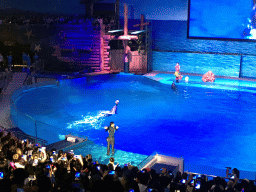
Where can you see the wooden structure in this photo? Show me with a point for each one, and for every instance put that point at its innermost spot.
(142, 22)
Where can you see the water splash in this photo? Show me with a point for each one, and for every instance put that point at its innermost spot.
(89, 121)
(61, 137)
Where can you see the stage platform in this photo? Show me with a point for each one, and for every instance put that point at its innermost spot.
(195, 80)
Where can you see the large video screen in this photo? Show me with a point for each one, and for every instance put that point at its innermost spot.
(222, 19)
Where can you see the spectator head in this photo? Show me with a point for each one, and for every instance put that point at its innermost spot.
(230, 183)
(35, 156)
(184, 176)
(19, 151)
(153, 174)
(16, 157)
(2, 156)
(146, 170)
(143, 177)
(118, 171)
(89, 156)
(178, 177)
(164, 170)
(110, 166)
(53, 149)
(236, 172)
(60, 153)
(245, 183)
(111, 160)
(130, 167)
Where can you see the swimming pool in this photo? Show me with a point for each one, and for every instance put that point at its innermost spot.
(208, 124)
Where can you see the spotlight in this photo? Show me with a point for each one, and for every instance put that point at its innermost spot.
(137, 32)
(115, 31)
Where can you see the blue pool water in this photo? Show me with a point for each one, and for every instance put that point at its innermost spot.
(206, 123)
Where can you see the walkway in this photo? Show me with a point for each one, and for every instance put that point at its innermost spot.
(5, 98)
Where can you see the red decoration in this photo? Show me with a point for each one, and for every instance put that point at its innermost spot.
(208, 77)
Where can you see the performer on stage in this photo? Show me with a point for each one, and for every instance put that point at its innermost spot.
(177, 67)
(127, 50)
(178, 76)
(177, 73)
(10, 58)
(111, 136)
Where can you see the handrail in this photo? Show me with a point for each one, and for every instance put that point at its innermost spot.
(21, 136)
(16, 95)
(147, 160)
(25, 81)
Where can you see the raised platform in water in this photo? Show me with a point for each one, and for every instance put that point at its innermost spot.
(67, 143)
(195, 80)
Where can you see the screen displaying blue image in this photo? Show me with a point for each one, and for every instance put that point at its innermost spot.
(218, 19)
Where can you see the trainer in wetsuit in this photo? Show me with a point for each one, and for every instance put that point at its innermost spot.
(111, 136)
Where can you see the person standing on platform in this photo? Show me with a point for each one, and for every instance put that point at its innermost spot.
(177, 67)
(111, 136)
(177, 73)
(29, 62)
(36, 57)
(10, 58)
(24, 60)
(127, 50)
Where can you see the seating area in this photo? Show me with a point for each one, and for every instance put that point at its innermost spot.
(26, 165)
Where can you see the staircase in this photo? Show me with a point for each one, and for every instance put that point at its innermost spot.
(81, 46)
(106, 58)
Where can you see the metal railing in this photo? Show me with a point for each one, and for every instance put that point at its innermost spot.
(28, 124)
(22, 136)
